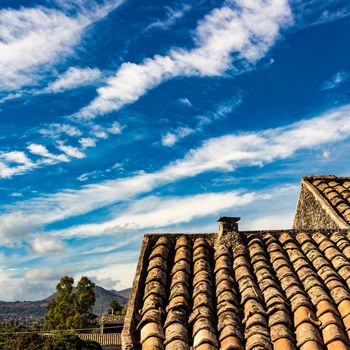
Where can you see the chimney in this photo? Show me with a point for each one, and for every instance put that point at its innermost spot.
(228, 224)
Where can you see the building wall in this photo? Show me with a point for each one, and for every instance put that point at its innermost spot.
(311, 214)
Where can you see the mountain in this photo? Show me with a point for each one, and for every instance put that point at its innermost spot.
(104, 296)
(34, 311)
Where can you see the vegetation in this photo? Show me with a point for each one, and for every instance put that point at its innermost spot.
(116, 309)
(28, 312)
(9, 333)
(72, 307)
(35, 341)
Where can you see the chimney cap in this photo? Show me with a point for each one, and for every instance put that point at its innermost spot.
(229, 219)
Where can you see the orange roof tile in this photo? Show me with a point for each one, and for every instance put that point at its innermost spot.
(335, 190)
(248, 290)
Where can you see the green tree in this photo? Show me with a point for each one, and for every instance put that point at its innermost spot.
(84, 302)
(35, 341)
(72, 307)
(115, 307)
(62, 307)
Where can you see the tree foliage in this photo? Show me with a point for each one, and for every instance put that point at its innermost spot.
(115, 308)
(72, 307)
(59, 342)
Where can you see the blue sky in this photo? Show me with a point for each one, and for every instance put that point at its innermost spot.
(119, 118)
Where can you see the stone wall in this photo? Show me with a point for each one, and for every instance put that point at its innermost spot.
(312, 213)
(135, 301)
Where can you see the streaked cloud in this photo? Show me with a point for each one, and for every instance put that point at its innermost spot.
(336, 79)
(41, 150)
(170, 138)
(240, 29)
(56, 130)
(153, 212)
(86, 142)
(71, 151)
(172, 16)
(73, 78)
(225, 153)
(33, 40)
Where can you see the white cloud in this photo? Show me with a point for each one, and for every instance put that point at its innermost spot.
(185, 101)
(11, 96)
(9, 171)
(221, 111)
(71, 151)
(22, 289)
(154, 212)
(310, 13)
(336, 79)
(272, 222)
(46, 274)
(102, 132)
(15, 157)
(113, 276)
(224, 153)
(172, 16)
(41, 150)
(55, 130)
(16, 194)
(170, 138)
(32, 40)
(239, 31)
(45, 244)
(15, 228)
(86, 142)
(74, 77)
(115, 128)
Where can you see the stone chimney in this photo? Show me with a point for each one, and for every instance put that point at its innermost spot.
(228, 224)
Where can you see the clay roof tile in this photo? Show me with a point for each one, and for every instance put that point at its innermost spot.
(247, 291)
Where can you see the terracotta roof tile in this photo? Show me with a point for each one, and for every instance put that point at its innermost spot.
(336, 191)
(251, 290)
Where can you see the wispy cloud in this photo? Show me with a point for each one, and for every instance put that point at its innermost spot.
(32, 40)
(172, 137)
(225, 153)
(41, 150)
(56, 130)
(172, 16)
(73, 78)
(154, 212)
(113, 276)
(315, 12)
(221, 111)
(238, 32)
(15, 157)
(14, 163)
(185, 101)
(37, 155)
(71, 151)
(87, 142)
(336, 79)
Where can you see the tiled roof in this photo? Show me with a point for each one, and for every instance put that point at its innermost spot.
(336, 191)
(115, 319)
(248, 290)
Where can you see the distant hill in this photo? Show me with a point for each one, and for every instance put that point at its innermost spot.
(34, 311)
(125, 293)
(104, 296)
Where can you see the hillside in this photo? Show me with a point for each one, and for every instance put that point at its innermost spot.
(34, 311)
